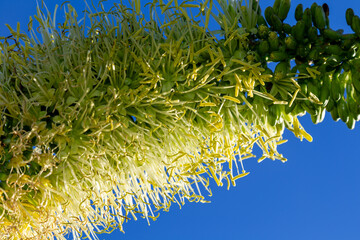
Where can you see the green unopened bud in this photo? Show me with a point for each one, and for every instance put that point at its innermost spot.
(314, 54)
(355, 25)
(334, 113)
(299, 12)
(240, 54)
(332, 35)
(313, 10)
(343, 110)
(333, 49)
(320, 18)
(302, 50)
(261, 21)
(269, 11)
(263, 31)
(287, 28)
(283, 9)
(312, 34)
(349, 15)
(264, 47)
(274, 41)
(278, 56)
(299, 31)
(348, 42)
(290, 43)
(281, 70)
(307, 18)
(326, 9)
(351, 122)
(276, 23)
(333, 61)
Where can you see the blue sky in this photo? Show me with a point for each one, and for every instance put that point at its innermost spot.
(315, 195)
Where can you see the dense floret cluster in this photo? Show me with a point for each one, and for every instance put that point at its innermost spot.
(119, 118)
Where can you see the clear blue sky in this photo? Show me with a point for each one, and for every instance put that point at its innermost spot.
(315, 195)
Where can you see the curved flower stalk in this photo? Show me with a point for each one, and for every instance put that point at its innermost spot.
(120, 119)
